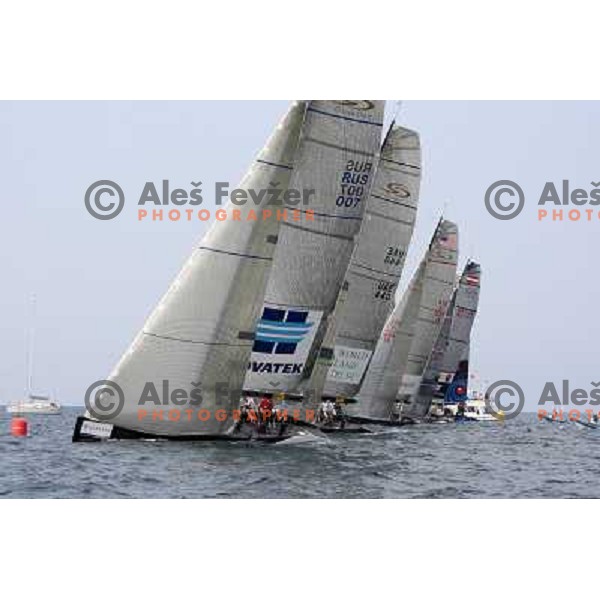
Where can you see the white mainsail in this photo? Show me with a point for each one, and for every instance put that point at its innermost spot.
(408, 325)
(199, 338)
(437, 292)
(336, 159)
(377, 260)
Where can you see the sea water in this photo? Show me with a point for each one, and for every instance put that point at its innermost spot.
(517, 459)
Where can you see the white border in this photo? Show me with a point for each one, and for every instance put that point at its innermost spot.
(294, 549)
(114, 49)
(184, 50)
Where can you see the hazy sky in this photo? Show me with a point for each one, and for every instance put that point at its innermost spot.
(96, 281)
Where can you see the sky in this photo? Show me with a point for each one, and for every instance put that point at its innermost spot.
(96, 281)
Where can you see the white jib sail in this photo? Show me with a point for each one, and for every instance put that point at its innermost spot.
(377, 396)
(186, 367)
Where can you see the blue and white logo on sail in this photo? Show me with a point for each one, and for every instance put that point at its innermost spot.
(282, 342)
(280, 331)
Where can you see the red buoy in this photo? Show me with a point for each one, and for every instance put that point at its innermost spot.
(19, 427)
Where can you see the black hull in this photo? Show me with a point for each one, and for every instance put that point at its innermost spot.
(121, 433)
(551, 420)
(384, 422)
(332, 429)
(584, 424)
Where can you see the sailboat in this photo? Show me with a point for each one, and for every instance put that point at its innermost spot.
(437, 292)
(34, 402)
(410, 328)
(446, 379)
(377, 261)
(182, 376)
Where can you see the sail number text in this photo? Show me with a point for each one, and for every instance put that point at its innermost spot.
(353, 183)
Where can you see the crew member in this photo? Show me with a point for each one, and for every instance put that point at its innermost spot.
(329, 411)
(265, 409)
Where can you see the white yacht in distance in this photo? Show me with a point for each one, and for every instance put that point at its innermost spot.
(41, 404)
(35, 403)
(476, 408)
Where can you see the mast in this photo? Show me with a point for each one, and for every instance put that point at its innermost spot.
(31, 348)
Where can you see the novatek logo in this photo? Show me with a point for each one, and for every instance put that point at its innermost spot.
(280, 331)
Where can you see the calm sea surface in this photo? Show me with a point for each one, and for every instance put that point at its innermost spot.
(518, 459)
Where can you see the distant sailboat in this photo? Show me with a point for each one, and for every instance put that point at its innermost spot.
(446, 378)
(198, 340)
(410, 328)
(33, 403)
